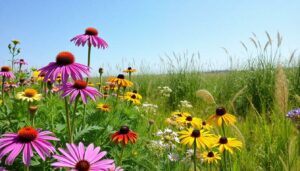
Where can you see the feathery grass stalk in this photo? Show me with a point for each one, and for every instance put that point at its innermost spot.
(195, 157)
(68, 121)
(281, 90)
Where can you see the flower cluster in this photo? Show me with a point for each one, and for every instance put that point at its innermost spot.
(165, 91)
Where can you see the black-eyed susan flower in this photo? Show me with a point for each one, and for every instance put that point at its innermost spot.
(124, 135)
(134, 92)
(120, 81)
(227, 144)
(201, 137)
(29, 95)
(103, 107)
(206, 125)
(222, 116)
(189, 120)
(133, 99)
(129, 70)
(211, 157)
(180, 114)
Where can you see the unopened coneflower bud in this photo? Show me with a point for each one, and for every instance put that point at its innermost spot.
(22, 80)
(151, 122)
(100, 70)
(33, 109)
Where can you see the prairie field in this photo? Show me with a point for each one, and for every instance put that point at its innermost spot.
(184, 118)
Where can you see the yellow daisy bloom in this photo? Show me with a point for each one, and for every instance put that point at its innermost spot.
(134, 92)
(211, 157)
(58, 78)
(36, 75)
(29, 95)
(180, 114)
(206, 125)
(91, 84)
(228, 144)
(189, 120)
(222, 116)
(133, 98)
(103, 107)
(202, 137)
(120, 81)
(129, 70)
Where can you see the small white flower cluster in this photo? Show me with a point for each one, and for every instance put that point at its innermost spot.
(167, 139)
(150, 108)
(185, 104)
(173, 157)
(165, 91)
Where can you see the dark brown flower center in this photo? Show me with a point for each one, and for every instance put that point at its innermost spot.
(121, 76)
(220, 111)
(189, 118)
(29, 92)
(91, 31)
(133, 96)
(210, 154)
(21, 60)
(105, 106)
(80, 84)
(82, 165)
(196, 133)
(124, 130)
(22, 80)
(27, 134)
(65, 58)
(129, 68)
(223, 140)
(5, 69)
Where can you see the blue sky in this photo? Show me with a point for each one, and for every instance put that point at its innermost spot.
(144, 30)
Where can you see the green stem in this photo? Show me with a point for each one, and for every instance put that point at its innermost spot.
(3, 80)
(223, 129)
(68, 121)
(74, 114)
(121, 156)
(89, 60)
(84, 113)
(225, 163)
(129, 76)
(195, 157)
(100, 82)
(26, 168)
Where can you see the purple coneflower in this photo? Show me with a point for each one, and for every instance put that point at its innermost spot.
(114, 168)
(6, 73)
(21, 62)
(66, 66)
(79, 88)
(90, 36)
(77, 158)
(26, 139)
